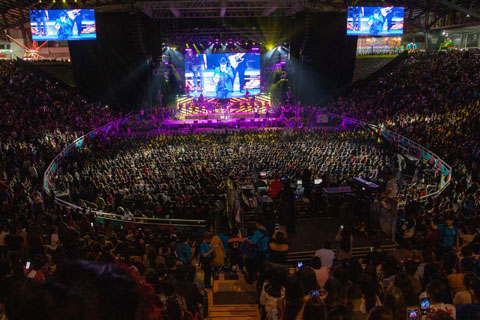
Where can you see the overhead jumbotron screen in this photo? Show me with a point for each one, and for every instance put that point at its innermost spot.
(58, 25)
(222, 75)
(375, 21)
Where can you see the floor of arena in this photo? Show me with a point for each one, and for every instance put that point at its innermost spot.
(311, 233)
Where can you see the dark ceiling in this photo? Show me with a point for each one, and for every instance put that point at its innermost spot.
(15, 12)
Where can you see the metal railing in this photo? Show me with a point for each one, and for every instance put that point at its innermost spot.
(409, 145)
(49, 175)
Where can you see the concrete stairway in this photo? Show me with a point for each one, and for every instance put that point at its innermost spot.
(235, 311)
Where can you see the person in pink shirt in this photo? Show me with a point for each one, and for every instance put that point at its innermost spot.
(321, 272)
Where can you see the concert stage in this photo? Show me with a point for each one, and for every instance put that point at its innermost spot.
(220, 121)
(188, 108)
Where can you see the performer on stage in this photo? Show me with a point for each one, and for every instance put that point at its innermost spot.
(223, 78)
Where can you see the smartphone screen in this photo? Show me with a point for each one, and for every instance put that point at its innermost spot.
(300, 264)
(27, 265)
(316, 293)
(341, 227)
(91, 224)
(412, 314)
(425, 305)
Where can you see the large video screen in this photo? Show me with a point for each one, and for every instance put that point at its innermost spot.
(222, 75)
(58, 25)
(375, 21)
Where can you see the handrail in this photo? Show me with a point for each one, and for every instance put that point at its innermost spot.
(399, 138)
(50, 172)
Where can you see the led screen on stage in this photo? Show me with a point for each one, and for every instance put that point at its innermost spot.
(375, 21)
(57, 25)
(222, 75)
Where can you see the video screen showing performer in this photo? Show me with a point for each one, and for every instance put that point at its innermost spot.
(375, 21)
(58, 25)
(222, 75)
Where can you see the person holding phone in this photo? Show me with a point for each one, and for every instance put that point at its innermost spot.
(344, 240)
(313, 307)
(278, 248)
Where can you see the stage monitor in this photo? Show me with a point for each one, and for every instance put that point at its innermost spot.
(375, 21)
(222, 75)
(58, 25)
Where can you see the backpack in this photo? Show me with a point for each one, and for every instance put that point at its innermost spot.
(249, 250)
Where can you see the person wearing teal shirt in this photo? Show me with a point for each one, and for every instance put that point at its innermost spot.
(447, 236)
(184, 252)
(260, 240)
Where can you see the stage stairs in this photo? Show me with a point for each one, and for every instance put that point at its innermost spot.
(233, 299)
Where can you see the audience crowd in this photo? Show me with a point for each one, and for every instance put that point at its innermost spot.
(57, 263)
(182, 176)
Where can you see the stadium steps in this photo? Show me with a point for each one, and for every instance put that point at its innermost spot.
(237, 309)
(61, 71)
(366, 66)
(304, 256)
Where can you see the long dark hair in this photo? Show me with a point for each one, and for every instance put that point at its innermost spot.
(395, 302)
(276, 283)
(369, 289)
(309, 280)
(293, 297)
(335, 297)
(315, 309)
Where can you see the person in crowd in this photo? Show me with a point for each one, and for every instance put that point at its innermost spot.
(395, 302)
(259, 241)
(234, 253)
(184, 251)
(309, 280)
(321, 272)
(448, 236)
(206, 258)
(313, 309)
(470, 311)
(188, 290)
(380, 313)
(289, 306)
(326, 254)
(466, 296)
(344, 240)
(436, 290)
(278, 248)
(272, 291)
(354, 300)
(218, 260)
(95, 292)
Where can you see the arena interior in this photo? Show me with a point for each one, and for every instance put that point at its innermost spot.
(239, 159)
